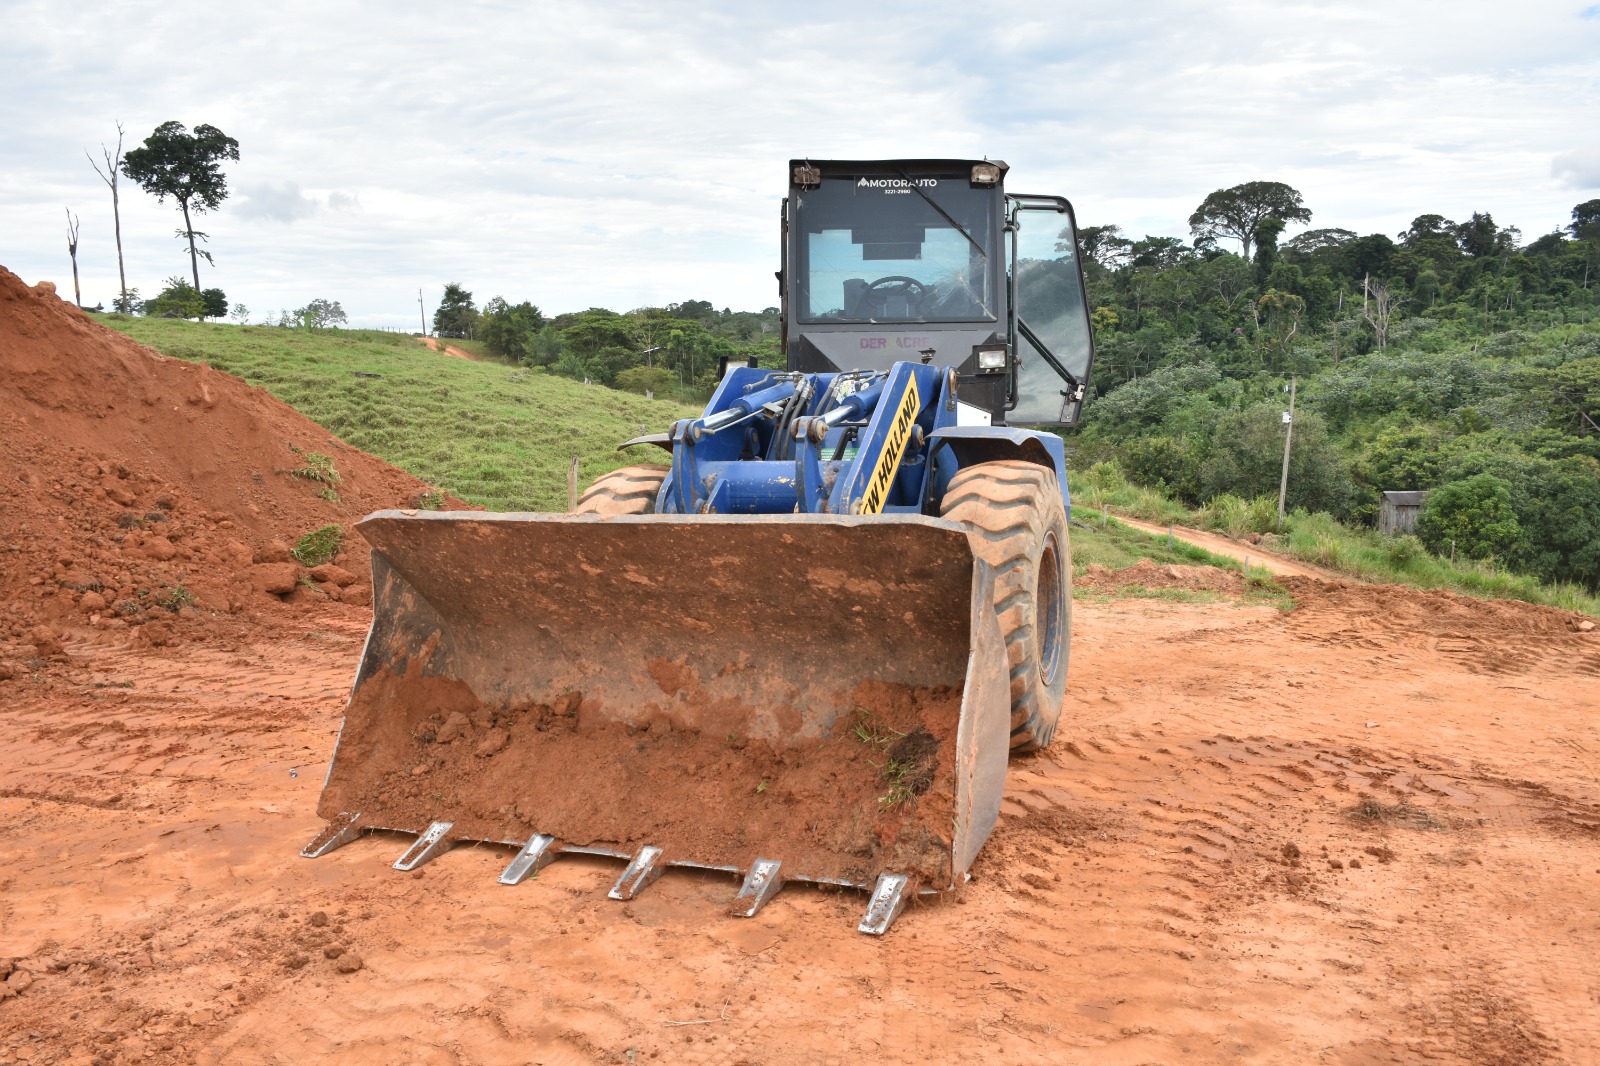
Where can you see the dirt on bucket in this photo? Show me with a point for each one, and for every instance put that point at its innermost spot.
(876, 796)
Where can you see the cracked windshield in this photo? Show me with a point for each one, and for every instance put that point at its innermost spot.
(872, 249)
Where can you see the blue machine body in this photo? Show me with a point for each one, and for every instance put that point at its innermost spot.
(862, 442)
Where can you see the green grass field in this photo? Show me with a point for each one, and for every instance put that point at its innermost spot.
(491, 433)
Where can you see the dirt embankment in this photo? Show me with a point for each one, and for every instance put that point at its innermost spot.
(145, 493)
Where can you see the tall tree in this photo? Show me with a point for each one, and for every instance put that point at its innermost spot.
(1104, 244)
(1479, 236)
(187, 167)
(1236, 212)
(456, 315)
(110, 176)
(322, 313)
(1266, 235)
(1586, 228)
(72, 250)
(508, 329)
(1428, 227)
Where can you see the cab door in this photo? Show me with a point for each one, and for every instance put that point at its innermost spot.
(1049, 328)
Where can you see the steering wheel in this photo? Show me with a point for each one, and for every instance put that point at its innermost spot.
(875, 298)
(895, 283)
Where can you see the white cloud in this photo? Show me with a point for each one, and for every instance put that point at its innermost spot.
(278, 203)
(1579, 169)
(628, 153)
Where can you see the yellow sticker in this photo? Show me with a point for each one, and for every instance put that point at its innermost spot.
(894, 447)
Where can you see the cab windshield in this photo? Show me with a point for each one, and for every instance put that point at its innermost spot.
(871, 249)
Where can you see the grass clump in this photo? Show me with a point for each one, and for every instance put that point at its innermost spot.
(318, 467)
(318, 546)
(867, 730)
(898, 774)
(1238, 517)
(1371, 811)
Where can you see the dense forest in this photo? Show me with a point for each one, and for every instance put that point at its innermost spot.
(1452, 358)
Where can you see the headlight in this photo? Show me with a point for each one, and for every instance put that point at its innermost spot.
(985, 174)
(992, 360)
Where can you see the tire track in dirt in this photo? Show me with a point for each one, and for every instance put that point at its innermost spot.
(1161, 886)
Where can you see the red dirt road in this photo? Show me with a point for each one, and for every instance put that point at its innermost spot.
(1176, 880)
(1281, 565)
(451, 350)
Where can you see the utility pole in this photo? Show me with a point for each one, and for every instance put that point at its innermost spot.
(423, 312)
(1283, 483)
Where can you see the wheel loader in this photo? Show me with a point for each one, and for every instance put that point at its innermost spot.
(802, 646)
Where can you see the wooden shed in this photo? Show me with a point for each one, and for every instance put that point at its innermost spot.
(1397, 512)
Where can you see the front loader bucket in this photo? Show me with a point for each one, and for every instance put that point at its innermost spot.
(794, 697)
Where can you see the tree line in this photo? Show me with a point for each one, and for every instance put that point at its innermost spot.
(1452, 357)
(674, 349)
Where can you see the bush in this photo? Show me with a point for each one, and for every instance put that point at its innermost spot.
(1172, 462)
(1247, 460)
(1406, 548)
(1474, 515)
(178, 300)
(1229, 514)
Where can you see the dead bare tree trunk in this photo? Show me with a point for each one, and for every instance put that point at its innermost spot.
(1378, 303)
(109, 176)
(1335, 325)
(72, 250)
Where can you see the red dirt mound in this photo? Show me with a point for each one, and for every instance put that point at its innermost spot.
(1436, 611)
(1150, 575)
(141, 490)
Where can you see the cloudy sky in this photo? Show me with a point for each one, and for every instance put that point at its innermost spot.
(626, 154)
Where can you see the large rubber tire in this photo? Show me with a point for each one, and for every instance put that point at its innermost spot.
(631, 490)
(1015, 510)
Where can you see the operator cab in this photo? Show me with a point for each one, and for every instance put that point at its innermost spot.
(932, 261)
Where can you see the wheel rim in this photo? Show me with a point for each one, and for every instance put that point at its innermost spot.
(1047, 608)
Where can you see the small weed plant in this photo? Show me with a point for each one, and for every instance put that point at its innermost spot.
(898, 774)
(174, 598)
